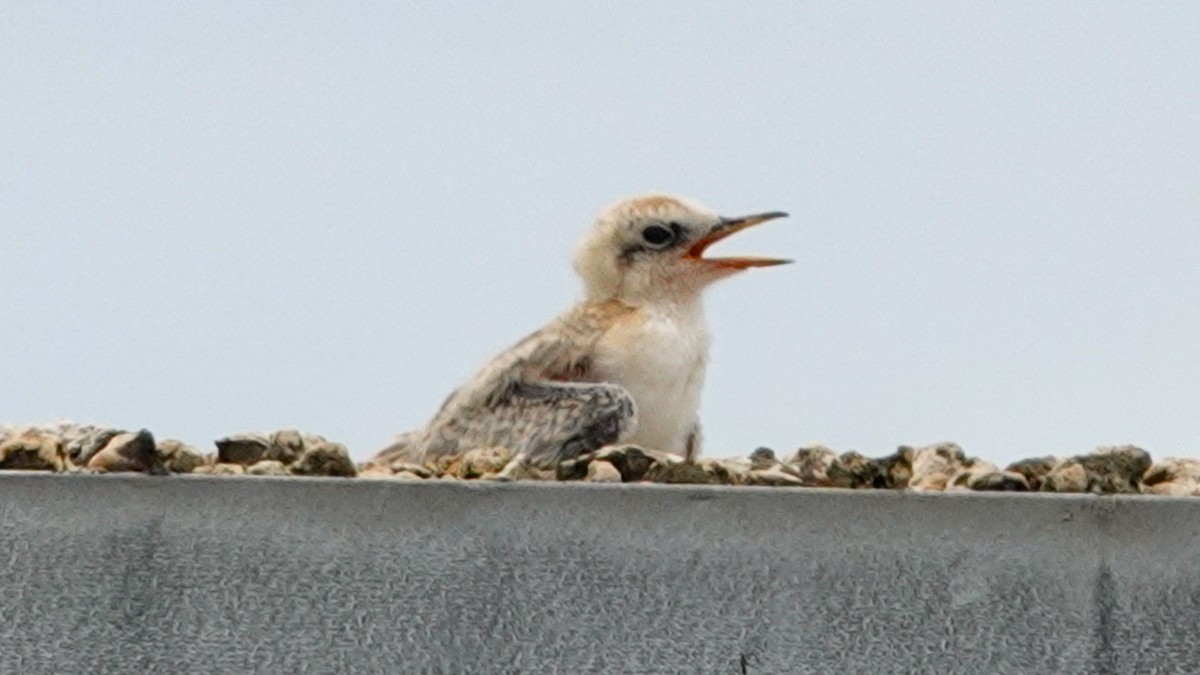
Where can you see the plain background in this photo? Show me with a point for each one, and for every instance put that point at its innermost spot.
(224, 217)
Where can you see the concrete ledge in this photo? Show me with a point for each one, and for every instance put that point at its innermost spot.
(205, 575)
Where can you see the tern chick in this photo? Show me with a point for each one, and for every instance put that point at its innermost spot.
(625, 365)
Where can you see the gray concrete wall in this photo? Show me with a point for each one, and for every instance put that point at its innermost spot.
(204, 575)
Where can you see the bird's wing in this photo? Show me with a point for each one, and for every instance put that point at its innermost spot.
(543, 422)
(536, 398)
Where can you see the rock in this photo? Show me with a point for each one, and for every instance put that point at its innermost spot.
(573, 469)
(811, 464)
(853, 470)
(129, 452)
(1173, 476)
(683, 472)
(762, 459)
(1066, 476)
(221, 469)
(601, 471)
(733, 470)
(369, 471)
(944, 466)
(302, 454)
(415, 469)
(179, 457)
(398, 471)
(267, 467)
(243, 449)
(1000, 481)
(288, 445)
(896, 468)
(1108, 470)
(83, 442)
(632, 461)
(1034, 469)
(483, 461)
(1116, 469)
(935, 467)
(774, 476)
(374, 468)
(635, 462)
(730, 471)
(324, 459)
(33, 450)
(973, 471)
(519, 469)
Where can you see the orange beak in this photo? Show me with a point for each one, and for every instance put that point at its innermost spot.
(728, 227)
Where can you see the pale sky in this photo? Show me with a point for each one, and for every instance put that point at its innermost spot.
(220, 217)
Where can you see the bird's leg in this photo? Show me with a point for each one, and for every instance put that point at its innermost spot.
(691, 449)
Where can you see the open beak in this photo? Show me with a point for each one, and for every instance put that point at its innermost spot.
(730, 226)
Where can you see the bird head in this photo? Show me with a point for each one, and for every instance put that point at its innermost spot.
(652, 246)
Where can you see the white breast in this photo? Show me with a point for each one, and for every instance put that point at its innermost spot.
(659, 358)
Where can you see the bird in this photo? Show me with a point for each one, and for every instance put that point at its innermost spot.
(625, 365)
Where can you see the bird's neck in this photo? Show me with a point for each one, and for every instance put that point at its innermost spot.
(683, 292)
(685, 307)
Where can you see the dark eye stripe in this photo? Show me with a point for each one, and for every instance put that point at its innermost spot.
(655, 237)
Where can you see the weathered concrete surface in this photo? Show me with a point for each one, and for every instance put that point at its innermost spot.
(205, 575)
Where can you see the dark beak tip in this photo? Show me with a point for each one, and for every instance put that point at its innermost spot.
(769, 215)
(759, 217)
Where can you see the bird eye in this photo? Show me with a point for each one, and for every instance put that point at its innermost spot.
(657, 235)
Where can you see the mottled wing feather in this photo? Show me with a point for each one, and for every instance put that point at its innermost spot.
(536, 398)
(545, 422)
